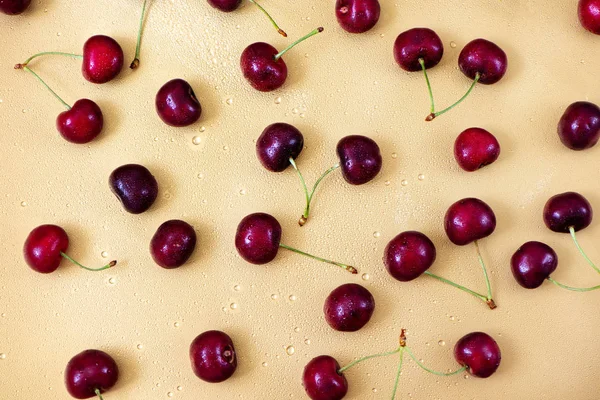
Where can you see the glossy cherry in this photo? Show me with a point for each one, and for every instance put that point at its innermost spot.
(475, 148)
(357, 16)
(46, 246)
(567, 210)
(533, 263)
(349, 307)
(277, 144)
(135, 187)
(213, 356)
(82, 123)
(479, 352)
(484, 59)
(589, 15)
(225, 5)
(409, 255)
(90, 373)
(579, 126)
(173, 243)
(14, 7)
(418, 45)
(176, 104)
(322, 381)
(102, 59)
(469, 220)
(360, 159)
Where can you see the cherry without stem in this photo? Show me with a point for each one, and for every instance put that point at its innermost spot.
(232, 5)
(579, 126)
(589, 15)
(102, 59)
(349, 307)
(475, 148)
(90, 373)
(173, 244)
(135, 187)
(177, 104)
(213, 356)
(14, 7)
(357, 16)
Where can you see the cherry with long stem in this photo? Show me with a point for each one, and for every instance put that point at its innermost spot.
(279, 30)
(435, 114)
(303, 38)
(107, 266)
(572, 232)
(136, 61)
(348, 268)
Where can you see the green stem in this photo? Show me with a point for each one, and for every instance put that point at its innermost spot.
(304, 216)
(432, 108)
(136, 61)
(572, 231)
(456, 285)
(282, 52)
(47, 53)
(97, 391)
(485, 273)
(47, 87)
(279, 30)
(574, 289)
(353, 363)
(107, 266)
(432, 116)
(458, 371)
(348, 268)
(398, 373)
(309, 198)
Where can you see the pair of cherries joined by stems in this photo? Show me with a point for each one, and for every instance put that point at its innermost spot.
(477, 353)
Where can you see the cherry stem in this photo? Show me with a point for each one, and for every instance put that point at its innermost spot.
(433, 115)
(456, 285)
(279, 30)
(432, 108)
(353, 363)
(47, 87)
(398, 373)
(458, 371)
(136, 61)
(572, 231)
(107, 266)
(97, 391)
(574, 289)
(348, 268)
(46, 53)
(485, 274)
(282, 52)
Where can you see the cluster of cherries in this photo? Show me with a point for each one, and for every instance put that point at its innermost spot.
(407, 256)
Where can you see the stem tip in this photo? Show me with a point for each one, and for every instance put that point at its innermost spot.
(135, 63)
(352, 270)
(282, 32)
(430, 117)
(491, 304)
(19, 66)
(302, 220)
(403, 337)
(112, 263)
(320, 29)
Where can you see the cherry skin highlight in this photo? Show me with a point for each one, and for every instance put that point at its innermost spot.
(43, 248)
(177, 104)
(213, 356)
(360, 159)
(349, 307)
(469, 220)
(409, 255)
(357, 16)
(479, 352)
(415, 44)
(14, 7)
(277, 144)
(225, 5)
(566, 210)
(257, 238)
(82, 123)
(102, 59)
(485, 58)
(533, 263)
(173, 244)
(322, 381)
(135, 187)
(475, 148)
(89, 373)
(579, 126)
(589, 15)
(261, 69)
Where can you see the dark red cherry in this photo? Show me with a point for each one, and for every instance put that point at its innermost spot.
(134, 186)
(90, 373)
(257, 238)
(261, 69)
(479, 352)
(102, 59)
(322, 381)
(408, 255)
(589, 15)
(469, 220)
(579, 126)
(176, 103)
(357, 16)
(225, 5)
(213, 356)
(173, 243)
(533, 263)
(566, 210)
(475, 148)
(44, 246)
(483, 57)
(349, 307)
(277, 144)
(82, 123)
(360, 159)
(415, 44)
(14, 7)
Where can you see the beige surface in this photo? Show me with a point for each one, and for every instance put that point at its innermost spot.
(338, 84)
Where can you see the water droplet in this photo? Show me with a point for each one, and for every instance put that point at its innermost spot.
(290, 350)
(2, 356)
(225, 148)
(394, 155)
(112, 281)
(23, 204)
(180, 388)
(453, 44)
(237, 288)
(224, 309)
(376, 234)
(242, 192)
(229, 101)
(170, 394)
(233, 306)
(421, 177)
(24, 111)
(3, 315)
(292, 297)
(57, 33)
(452, 318)
(374, 390)
(404, 182)
(306, 341)
(104, 254)
(386, 183)
(265, 364)
(442, 343)
(140, 346)
(156, 139)
(277, 100)
(196, 140)
(202, 129)
(302, 115)
(176, 324)
(410, 310)
(274, 297)
(295, 110)
(200, 176)
(366, 277)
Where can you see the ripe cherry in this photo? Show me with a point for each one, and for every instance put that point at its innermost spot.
(102, 59)
(589, 15)
(90, 373)
(173, 244)
(277, 144)
(349, 307)
(479, 352)
(357, 16)
(418, 49)
(409, 255)
(135, 187)
(213, 356)
(14, 7)
(533, 263)
(475, 148)
(323, 381)
(360, 159)
(579, 126)
(177, 104)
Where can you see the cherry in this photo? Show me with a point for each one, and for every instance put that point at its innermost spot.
(173, 243)
(322, 381)
(134, 186)
(258, 239)
(14, 7)
(418, 49)
(579, 126)
(469, 220)
(479, 352)
(263, 66)
(589, 15)
(176, 104)
(349, 307)
(533, 263)
(360, 159)
(231, 5)
(277, 144)
(567, 211)
(409, 255)
(45, 248)
(357, 16)
(213, 356)
(475, 148)
(102, 59)
(90, 373)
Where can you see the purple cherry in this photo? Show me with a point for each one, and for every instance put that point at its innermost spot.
(81, 123)
(479, 352)
(533, 263)
(90, 373)
(469, 220)
(322, 381)
(418, 45)
(567, 211)
(102, 59)
(579, 126)
(225, 5)
(360, 159)
(409, 255)
(177, 104)
(213, 356)
(349, 307)
(277, 144)
(135, 187)
(475, 148)
(173, 243)
(357, 16)
(485, 59)
(589, 15)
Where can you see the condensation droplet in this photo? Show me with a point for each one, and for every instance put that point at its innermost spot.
(295, 110)
(104, 254)
(156, 139)
(452, 318)
(176, 324)
(274, 297)
(224, 309)
(410, 310)
(242, 192)
(140, 346)
(306, 341)
(466, 376)
(196, 140)
(277, 100)
(3, 315)
(202, 129)
(394, 155)
(229, 101)
(374, 390)
(292, 297)
(265, 364)
(57, 33)
(225, 148)
(376, 234)
(387, 183)
(111, 281)
(302, 115)
(442, 343)
(180, 388)
(200, 176)
(233, 306)
(170, 394)
(366, 277)
(290, 350)
(23, 204)
(404, 182)
(421, 177)
(453, 44)
(237, 288)
(2, 356)
(296, 329)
